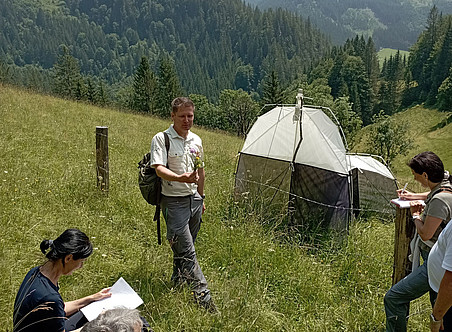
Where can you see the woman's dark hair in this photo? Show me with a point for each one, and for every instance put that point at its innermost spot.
(429, 163)
(72, 241)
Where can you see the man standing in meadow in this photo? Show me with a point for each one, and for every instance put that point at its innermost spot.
(182, 172)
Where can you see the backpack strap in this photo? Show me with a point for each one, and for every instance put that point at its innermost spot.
(157, 207)
(167, 145)
(442, 190)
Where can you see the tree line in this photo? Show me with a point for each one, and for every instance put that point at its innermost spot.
(214, 45)
(348, 79)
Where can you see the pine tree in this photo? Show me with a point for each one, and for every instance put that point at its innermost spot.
(421, 53)
(354, 75)
(91, 93)
(445, 93)
(372, 67)
(271, 91)
(144, 87)
(67, 78)
(442, 60)
(101, 95)
(168, 86)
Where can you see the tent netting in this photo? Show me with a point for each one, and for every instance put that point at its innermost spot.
(294, 161)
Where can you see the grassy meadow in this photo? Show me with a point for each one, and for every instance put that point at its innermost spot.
(259, 282)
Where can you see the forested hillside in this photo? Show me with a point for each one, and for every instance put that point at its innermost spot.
(394, 24)
(425, 77)
(215, 45)
(229, 58)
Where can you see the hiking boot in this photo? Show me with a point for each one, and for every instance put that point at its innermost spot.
(204, 300)
(209, 306)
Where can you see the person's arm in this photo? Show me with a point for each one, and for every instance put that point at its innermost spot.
(72, 307)
(169, 175)
(443, 301)
(427, 228)
(201, 181)
(403, 194)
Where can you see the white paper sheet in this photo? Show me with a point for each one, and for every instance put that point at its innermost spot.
(403, 203)
(122, 295)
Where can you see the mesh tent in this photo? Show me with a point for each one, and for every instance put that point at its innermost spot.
(373, 184)
(294, 160)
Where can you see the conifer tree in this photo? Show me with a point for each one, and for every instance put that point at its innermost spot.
(442, 60)
(420, 54)
(445, 93)
(91, 93)
(67, 78)
(101, 95)
(168, 86)
(244, 77)
(271, 91)
(144, 87)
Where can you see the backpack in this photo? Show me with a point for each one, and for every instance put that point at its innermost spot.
(148, 180)
(151, 184)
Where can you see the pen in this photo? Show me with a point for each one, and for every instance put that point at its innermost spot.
(404, 187)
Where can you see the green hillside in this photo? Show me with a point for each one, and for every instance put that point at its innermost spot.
(385, 53)
(259, 282)
(430, 131)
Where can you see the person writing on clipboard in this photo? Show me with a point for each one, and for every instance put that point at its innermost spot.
(428, 170)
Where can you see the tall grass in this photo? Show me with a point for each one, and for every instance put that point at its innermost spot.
(259, 281)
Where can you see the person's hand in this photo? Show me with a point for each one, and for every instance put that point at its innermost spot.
(416, 208)
(436, 326)
(203, 207)
(404, 194)
(104, 293)
(192, 177)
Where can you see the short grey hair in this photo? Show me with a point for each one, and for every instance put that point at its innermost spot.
(115, 320)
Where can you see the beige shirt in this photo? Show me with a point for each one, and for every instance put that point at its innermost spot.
(180, 160)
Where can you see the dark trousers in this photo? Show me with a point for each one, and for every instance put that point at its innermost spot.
(183, 221)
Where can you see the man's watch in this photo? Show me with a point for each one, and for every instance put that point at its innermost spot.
(433, 319)
(203, 196)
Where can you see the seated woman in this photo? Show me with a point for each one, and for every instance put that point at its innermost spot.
(38, 305)
(428, 170)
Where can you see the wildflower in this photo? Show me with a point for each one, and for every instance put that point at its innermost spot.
(196, 159)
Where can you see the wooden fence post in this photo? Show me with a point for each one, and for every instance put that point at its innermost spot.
(102, 158)
(404, 233)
